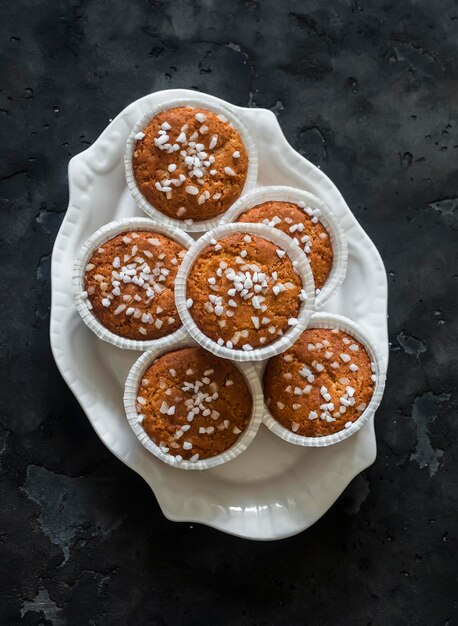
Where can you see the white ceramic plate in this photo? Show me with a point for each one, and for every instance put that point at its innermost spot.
(273, 489)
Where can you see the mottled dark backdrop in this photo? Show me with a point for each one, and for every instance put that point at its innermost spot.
(368, 91)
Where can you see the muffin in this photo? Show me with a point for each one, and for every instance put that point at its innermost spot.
(302, 224)
(243, 291)
(129, 284)
(193, 405)
(321, 385)
(190, 163)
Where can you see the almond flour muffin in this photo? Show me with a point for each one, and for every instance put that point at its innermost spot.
(302, 224)
(193, 405)
(321, 385)
(129, 284)
(244, 292)
(190, 163)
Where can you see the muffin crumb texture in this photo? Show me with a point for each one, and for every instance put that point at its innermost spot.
(190, 163)
(192, 404)
(321, 385)
(129, 284)
(244, 292)
(302, 224)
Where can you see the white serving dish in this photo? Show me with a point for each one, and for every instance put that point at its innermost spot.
(273, 489)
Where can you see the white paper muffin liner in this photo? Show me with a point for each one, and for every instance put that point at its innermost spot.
(330, 320)
(201, 101)
(98, 238)
(327, 217)
(130, 400)
(296, 255)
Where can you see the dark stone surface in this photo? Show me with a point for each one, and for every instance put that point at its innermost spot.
(367, 90)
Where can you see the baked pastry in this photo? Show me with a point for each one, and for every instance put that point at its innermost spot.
(321, 385)
(193, 404)
(129, 284)
(190, 163)
(243, 291)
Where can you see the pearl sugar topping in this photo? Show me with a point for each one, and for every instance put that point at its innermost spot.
(330, 406)
(198, 399)
(194, 157)
(247, 284)
(134, 264)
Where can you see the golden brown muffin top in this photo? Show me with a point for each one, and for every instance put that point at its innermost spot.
(194, 404)
(302, 224)
(321, 384)
(190, 163)
(129, 282)
(244, 292)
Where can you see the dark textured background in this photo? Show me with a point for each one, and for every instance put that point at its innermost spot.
(367, 90)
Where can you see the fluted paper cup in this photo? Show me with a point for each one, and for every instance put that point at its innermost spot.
(325, 215)
(301, 264)
(103, 234)
(199, 101)
(329, 320)
(130, 401)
